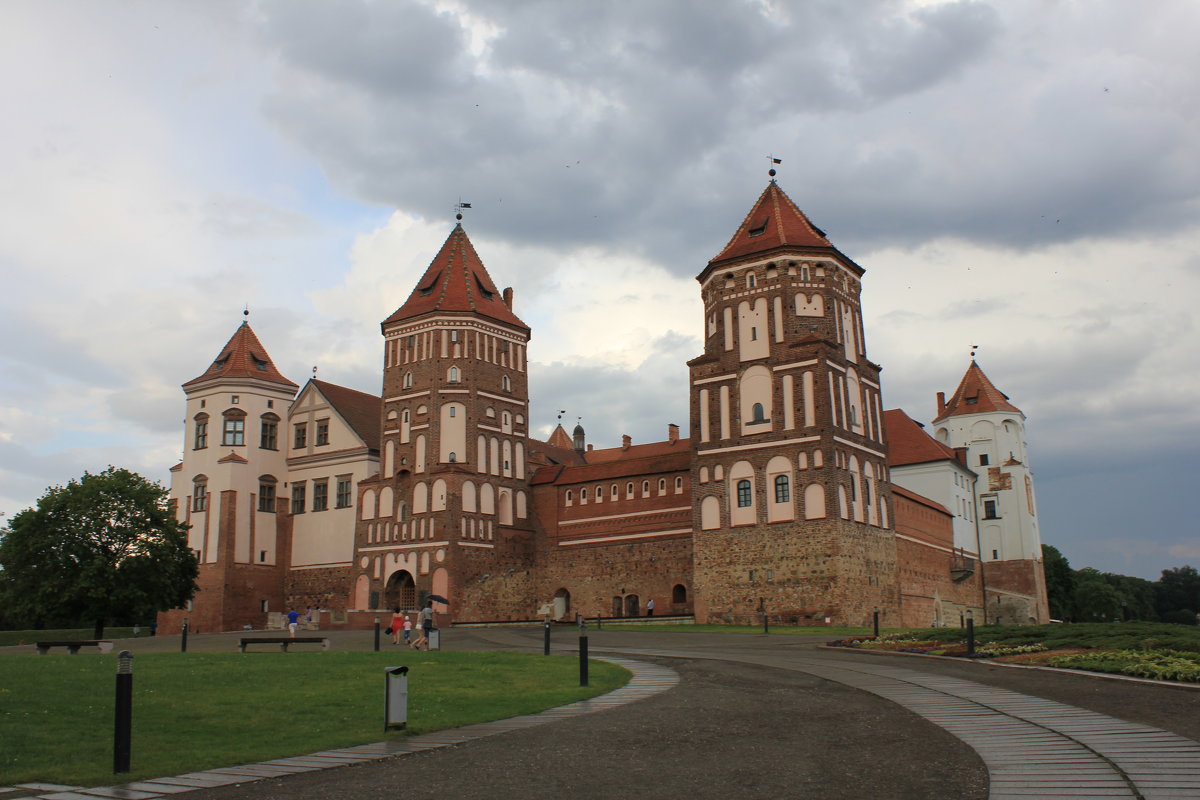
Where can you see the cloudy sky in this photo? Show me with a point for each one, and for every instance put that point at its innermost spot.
(1023, 176)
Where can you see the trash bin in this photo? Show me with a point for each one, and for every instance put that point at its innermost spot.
(395, 698)
(435, 639)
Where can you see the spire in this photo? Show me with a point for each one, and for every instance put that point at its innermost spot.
(243, 356)
(559, 438)
(975, 395)
(773, 222)
(456, 280)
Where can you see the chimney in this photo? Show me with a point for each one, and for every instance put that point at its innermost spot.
(508, 294)
(961, 454)
(941, 403)
(590, 447)
(672, 433)
(626, 441)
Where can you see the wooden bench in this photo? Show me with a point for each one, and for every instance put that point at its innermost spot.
(73, 647)
(282, 641)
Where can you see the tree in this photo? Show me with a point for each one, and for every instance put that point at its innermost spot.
(1095, 600)
(104, 547)
(1177, 590)
(1060, 582)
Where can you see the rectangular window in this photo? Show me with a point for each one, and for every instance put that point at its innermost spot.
(270, 435)
(202, 435)
(200, 497)
(454, 336)
(234, 432)
(266, 496)
(983, 459)
(343, 492)
(783, 492)
(262, 556)
(320, 495)
(322, 432)
(300, 436)
(989, 510)
(298, 498)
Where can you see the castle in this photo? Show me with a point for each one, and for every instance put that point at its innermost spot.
(794, 493)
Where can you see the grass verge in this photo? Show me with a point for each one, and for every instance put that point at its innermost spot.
(775, 630)
(8, 638)
(195, 711)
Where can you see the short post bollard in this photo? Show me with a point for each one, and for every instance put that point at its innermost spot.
(123, 718)
(583, 659)
(970, 637)
(546, 638)
(877, 623)
(183, 637)
(598, 625)
(377, 634)
(766, 623)
(395, 715)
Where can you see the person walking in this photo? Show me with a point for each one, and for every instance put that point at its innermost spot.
(425, 619)
(407, 629)
(293, 622)
(650, 607)
(396, 626)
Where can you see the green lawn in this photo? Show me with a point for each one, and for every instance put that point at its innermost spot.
(781, 630)
(195, 711)
(64, 635)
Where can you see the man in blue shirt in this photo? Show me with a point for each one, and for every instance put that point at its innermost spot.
(293, 621)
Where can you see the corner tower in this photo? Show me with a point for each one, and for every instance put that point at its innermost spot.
(791, 499)
(228, 487)
(980, 418)
(450, 507)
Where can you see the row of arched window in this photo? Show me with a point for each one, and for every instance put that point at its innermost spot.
(484, 498)
(454, 375)
(233, 430)
(454, 343)
(612, 492)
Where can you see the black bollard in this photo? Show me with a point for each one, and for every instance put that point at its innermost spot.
(377, 634)
(877, 624)
(183, 638)
(546, 638)
(970, 637)
(123, 718)
(766, 623)
(597, 622)
(583, 661)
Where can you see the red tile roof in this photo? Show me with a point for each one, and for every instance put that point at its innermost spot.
(680, 461)
(908, 443)
(243, 356)
(975, 395)
(559, 438)
(639, 451)
(233, 458)
(457, 281)
(775, 221)
(360, 410)
(922, 499)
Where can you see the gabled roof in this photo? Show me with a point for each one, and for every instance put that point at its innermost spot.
(649, 450)
(975, 395)
(456, 281)
(634, 466)
(774, 222)
(243, 356)
(908, 443)
(360, 410)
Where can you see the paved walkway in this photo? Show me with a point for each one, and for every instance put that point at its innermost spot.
(1031, 746)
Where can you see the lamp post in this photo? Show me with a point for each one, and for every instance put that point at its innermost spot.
(377, 634)
(123, 718)
(876, 617)
(970, 633)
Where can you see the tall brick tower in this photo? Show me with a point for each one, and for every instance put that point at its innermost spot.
(789, 483)
(449, 513)
(980, 418)
(226, 487)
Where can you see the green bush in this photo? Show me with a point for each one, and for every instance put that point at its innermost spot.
(1162, 665)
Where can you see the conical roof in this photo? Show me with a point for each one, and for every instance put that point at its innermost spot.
(456, 280)
(975, 395)
(243, 356)
(559, 438)
(774, 221)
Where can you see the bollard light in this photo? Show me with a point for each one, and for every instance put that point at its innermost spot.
(876, 623)
(546, 638)
(377, 634)
(970, 634)
(123, 716)
(583, 659)
(183, 636)
(395, 698)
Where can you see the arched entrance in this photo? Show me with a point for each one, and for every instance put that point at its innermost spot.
(401, 591)
(617, 607)
(562, 603)
(632, 605)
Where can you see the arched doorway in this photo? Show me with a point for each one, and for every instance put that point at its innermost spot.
(618, 607)
(562, 603)
(632, 605)
(401, 591)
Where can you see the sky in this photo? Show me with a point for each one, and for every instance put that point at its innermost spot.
(1015, 175)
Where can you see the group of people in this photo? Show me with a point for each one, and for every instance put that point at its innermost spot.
(402, 627)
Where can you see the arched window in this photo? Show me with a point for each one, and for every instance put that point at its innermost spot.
(403, 511)
(645, 488)
(583, 495)
(452, 376)
(757, 414)
(201, 431)
(269, 438)
(629, 490)
(612, 490)
(266, 493)
(506, 384)
(743, 494)
(200, 493)
(678, 484)
(408, 380)
(783, 491)
(599, 494)
(679, 594)
(233, 432)
(570, 496)
(453, 456)
(662, 485)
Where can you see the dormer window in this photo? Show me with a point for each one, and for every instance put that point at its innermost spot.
(259, 363)
(483, 290)
(427, 289)
(759, 228)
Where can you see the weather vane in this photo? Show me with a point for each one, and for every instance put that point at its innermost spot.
(974, 347)
(561, 411)
(314, 372)
(245, 312)
(773, 161)
(458, 209)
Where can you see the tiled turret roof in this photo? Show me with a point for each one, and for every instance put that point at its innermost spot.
(360, 410)
(243, 356)
(456, 280)
(774, 221)
(975, 395)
